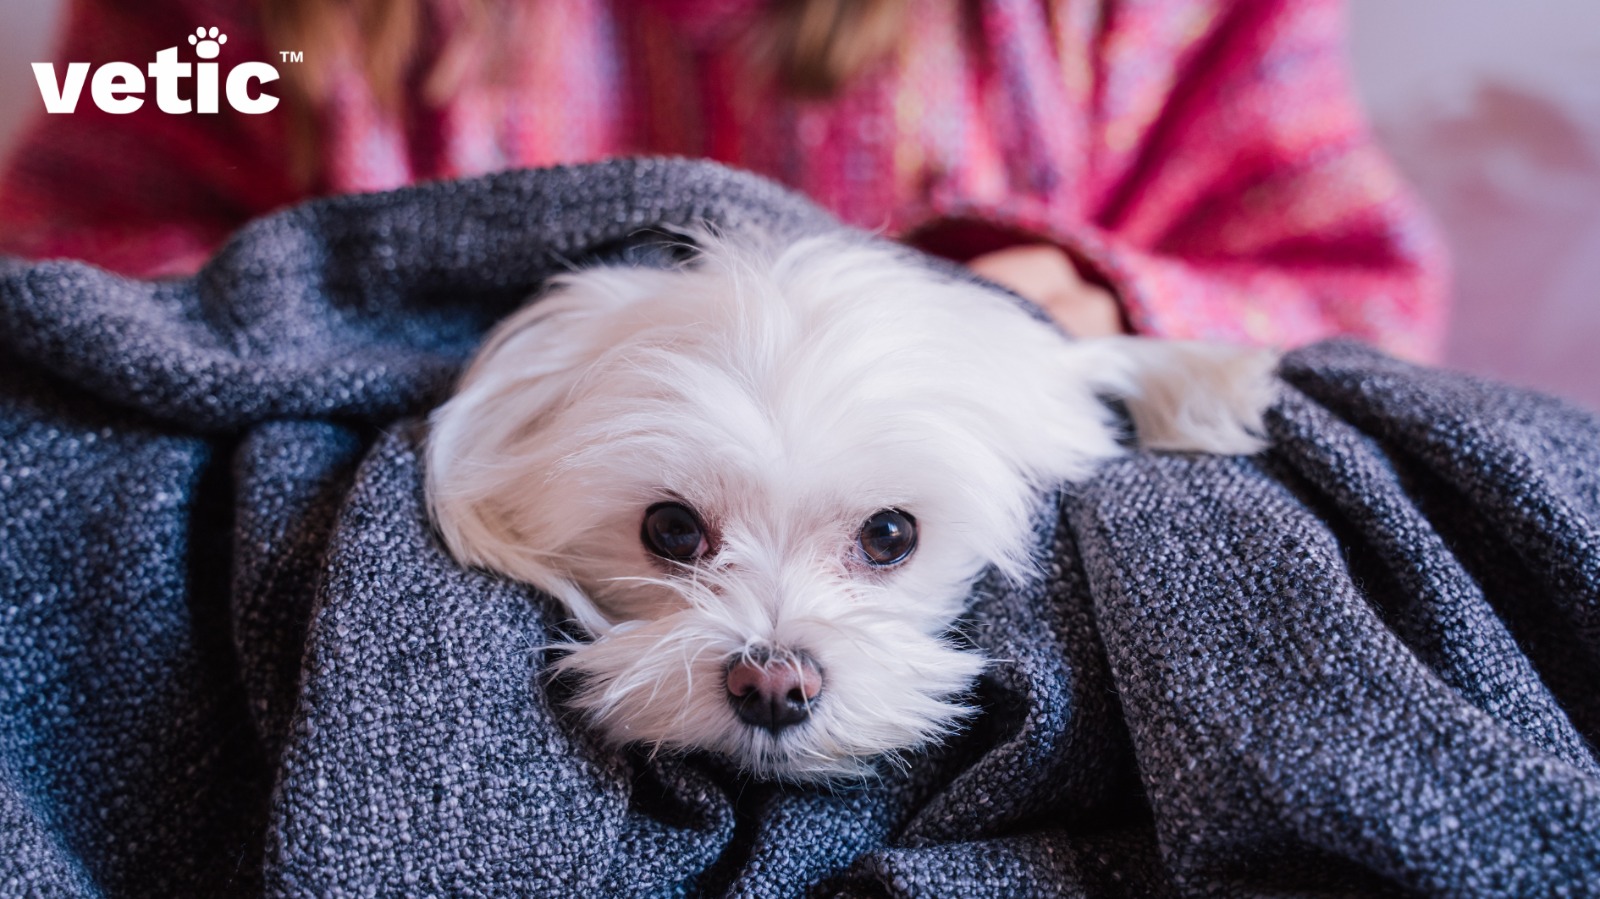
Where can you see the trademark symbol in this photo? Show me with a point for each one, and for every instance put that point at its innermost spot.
(291, 56)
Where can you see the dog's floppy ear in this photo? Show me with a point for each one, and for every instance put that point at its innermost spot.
(522, 375)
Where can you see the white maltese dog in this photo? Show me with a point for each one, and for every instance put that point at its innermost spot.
(764, 481)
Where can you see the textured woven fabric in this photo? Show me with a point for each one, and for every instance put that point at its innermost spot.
(1205, 158)
(234, 660)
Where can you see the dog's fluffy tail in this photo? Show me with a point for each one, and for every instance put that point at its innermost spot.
(1185, 395)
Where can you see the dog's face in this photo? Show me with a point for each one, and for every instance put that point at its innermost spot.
(764, 484)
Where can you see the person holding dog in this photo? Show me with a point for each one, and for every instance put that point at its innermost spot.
(1181, 168)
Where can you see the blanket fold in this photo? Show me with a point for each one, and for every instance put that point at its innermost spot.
(235, 660)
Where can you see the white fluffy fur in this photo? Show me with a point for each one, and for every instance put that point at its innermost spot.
(786, 393)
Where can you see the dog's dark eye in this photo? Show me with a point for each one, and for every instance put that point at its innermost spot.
(888, 537)
(672, 531)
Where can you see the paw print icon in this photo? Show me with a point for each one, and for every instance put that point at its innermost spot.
(207, 43)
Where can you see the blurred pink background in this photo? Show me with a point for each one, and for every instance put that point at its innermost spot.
(1491, 108)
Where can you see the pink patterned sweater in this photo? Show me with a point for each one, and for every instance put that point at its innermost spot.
(1203, 158)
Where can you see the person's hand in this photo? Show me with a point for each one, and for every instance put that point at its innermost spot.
(1046, 276)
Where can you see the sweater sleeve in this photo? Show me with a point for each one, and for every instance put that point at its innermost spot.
(147, 192)
(1233, 190)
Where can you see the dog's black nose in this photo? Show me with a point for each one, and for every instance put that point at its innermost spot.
(773, 691)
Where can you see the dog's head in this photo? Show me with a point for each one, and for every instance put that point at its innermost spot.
(764, 482)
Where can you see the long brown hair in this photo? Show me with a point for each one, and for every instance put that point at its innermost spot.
(816, 47)
(812, 48)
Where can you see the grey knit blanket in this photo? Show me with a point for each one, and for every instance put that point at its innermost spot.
(234, 660)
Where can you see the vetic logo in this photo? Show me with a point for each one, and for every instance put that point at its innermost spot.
(118, 87)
